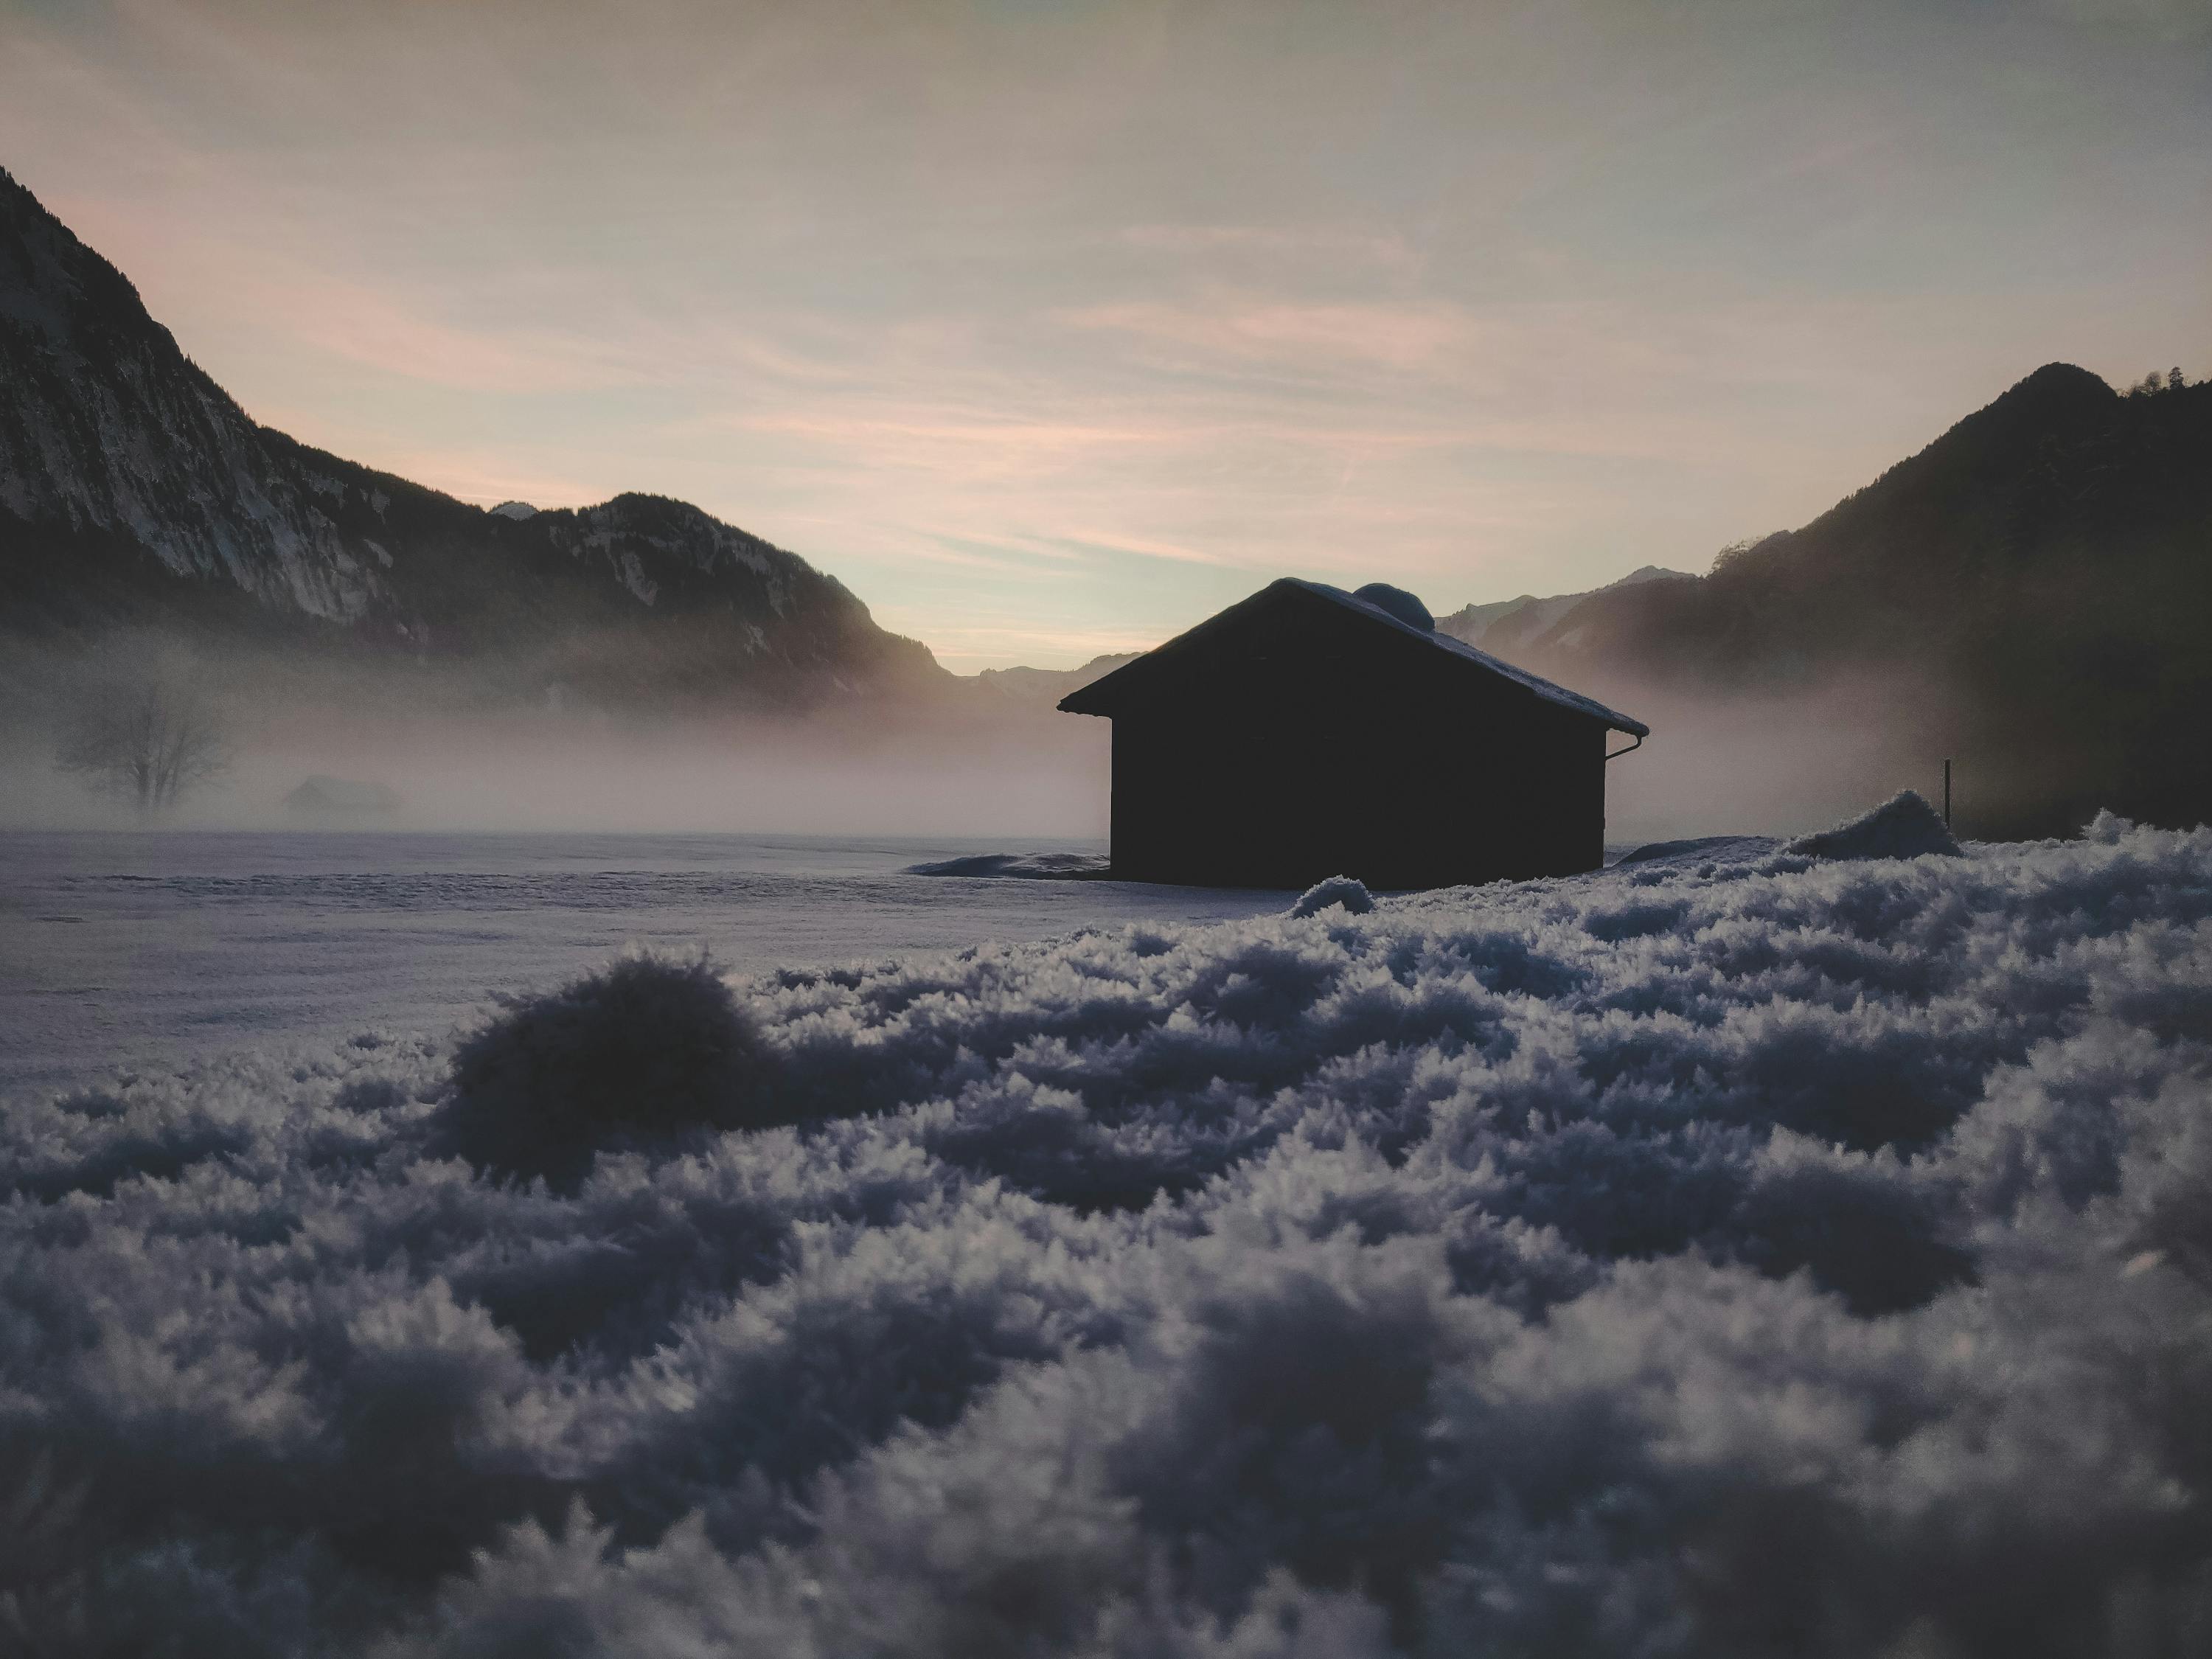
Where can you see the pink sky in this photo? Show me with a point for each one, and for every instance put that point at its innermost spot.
(1049, 328)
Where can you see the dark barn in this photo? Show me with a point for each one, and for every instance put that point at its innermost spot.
(1309, 732)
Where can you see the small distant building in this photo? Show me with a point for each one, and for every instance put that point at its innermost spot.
(325, 797)
(1308, 733)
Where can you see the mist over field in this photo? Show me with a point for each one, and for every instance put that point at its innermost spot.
(458, 751)
(1776, 760)
(461, 753)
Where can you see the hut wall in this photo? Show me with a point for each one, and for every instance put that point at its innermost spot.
(1239, 775)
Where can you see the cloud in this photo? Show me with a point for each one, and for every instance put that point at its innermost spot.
(1346, 244)
(1304, 336)
(382, 331)
(2163, 20)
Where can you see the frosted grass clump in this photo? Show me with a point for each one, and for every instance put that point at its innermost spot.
(1346, 893)
(647, 1050)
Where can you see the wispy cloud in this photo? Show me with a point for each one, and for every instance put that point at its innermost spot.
(1301, 337)
(1383, 250)
(2164, 20)
(402, 334)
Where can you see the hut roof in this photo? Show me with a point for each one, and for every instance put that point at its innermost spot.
(1107, 694)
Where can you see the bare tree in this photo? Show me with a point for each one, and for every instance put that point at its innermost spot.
(149, 736)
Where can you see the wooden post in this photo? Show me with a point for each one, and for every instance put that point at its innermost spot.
(1947, 794)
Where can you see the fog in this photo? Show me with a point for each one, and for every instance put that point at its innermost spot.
(1781, 761)
(457, 751)
(454, 755)
(797, 777)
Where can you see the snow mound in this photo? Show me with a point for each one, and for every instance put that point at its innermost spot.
(1904, 827)
(1700, 850)
(1346, 892)
(2108, 827)
(516, 510)
(1021, 866)
(1786, 1256)
(1397, 602)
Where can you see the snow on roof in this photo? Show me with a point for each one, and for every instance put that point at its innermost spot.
(1397, 608)
(1543, 688)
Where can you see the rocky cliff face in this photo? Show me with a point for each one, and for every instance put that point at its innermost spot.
(107, 431)
(134, 490)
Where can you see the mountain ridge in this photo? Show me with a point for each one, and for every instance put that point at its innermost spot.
(134, 489)
(2038, 575)
(1499, 625)
(2044, 567)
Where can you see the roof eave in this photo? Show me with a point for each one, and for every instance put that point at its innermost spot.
(1104, 696)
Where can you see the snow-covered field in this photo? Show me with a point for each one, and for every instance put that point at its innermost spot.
(148, 949)
(1750, 1254)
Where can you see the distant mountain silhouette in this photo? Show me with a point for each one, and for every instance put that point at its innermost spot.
(135, 491)
(2044, 568)
(1503, 624)
(1041, 688)
(2047, 563)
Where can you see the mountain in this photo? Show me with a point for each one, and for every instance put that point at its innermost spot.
(134, 491)
(1042, 688)
(1494, 627)
(1501, 625)
(2029, 594)
(2044, 569)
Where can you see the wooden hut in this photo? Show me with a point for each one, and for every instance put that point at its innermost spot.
(1308, 733)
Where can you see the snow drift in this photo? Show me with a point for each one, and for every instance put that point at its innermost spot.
(1779, 1255)
(1031, 866)
(1904, 827)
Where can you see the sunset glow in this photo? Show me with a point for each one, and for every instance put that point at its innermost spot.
(1049, 329)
